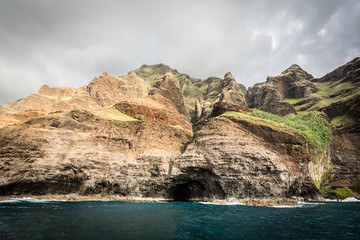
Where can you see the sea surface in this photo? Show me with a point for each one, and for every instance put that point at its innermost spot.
(38, 219)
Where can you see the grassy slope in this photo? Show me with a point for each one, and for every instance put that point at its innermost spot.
(326, 90)
(312, 127)
(113, 114)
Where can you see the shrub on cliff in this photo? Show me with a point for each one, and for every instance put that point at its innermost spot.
(341, 192)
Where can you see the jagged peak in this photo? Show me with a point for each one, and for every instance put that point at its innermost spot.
(43, 87)
(300, 73)
(167, 77)
(228, 80)
(104, 75)
(293, 68)
(228, 75)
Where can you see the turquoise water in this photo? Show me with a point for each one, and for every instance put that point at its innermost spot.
(176, 220)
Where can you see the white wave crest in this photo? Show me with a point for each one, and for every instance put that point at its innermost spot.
(30, 200)
(349, 199)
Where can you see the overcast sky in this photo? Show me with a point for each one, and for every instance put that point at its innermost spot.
(67, 43)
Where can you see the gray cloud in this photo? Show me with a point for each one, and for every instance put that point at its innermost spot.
(67, 43)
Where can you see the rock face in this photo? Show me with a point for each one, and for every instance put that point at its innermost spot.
(79, 153)
(268, 98)
(294, 82)
(231, 91)
(60, 92)
(235, 158)
(155, 108)
(168, 86)
(346, 73)
(225, 90)
(345, 155)
(190, 87)
(106, 90)
(205, 92)
(223, 107)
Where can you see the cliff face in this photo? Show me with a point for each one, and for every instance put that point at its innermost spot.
(131, 136)
(232, 157)
(77, 152)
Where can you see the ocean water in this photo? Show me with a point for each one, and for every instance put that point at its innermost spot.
(35, 219)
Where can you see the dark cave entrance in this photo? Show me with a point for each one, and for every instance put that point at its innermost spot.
(189, 191)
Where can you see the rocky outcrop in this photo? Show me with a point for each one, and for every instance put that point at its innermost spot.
(190, 87)
(60, 92)
(345, 155)
(223, 107)
(294, 82)
(349, 107)
(345, 145)
(106, 90)
(270, 96)
(231, 91)
(225, 90)
(268, 99)
(46, 100)
(347, 73)
(205, 92)
(198, 109)
(154, 108)
(168, 86)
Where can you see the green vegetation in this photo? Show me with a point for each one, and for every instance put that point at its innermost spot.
(325, 177)
(293, 100)
(339, 90)
(114, 114)
(340, 119)
(312, 127)
(154, 164)
(177, 127)
(341, 192)
(54, 114)
(257, 120)
(358, 177)
(140, 117)
(328, 88)
(50, 96)
(317, 184)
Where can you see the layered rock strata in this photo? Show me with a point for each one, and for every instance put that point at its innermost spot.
(234, 158)
(80, 153)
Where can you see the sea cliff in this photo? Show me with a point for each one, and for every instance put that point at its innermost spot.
(159, 135)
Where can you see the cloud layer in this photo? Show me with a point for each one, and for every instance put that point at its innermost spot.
(67, 43)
